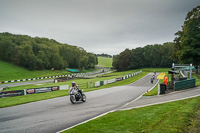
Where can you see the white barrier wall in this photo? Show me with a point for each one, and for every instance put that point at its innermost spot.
(105, 82)
(97, 83)
(64, 87)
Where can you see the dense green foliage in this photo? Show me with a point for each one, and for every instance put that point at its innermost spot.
(148, 56)
(187, 41)
(43, 53)
(104, 55)
(104, 62)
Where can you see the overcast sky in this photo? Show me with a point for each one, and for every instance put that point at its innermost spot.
(99, 26)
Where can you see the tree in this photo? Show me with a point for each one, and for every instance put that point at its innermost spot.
(83, 63)
(137, 58)
(27, 57)
(115, 62)
(187, 41)
(149, 56)
(124, 60)
(91, 60)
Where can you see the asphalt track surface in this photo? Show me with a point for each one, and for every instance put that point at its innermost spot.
(53, 115)
(26, 83)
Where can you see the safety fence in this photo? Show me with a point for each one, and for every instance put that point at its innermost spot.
(100, 83)
(92, 84)
(64, 87)
(48, 77)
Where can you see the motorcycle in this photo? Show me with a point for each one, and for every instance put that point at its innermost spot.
(76, 95)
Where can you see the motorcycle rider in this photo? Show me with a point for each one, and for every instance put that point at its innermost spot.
(75, 86)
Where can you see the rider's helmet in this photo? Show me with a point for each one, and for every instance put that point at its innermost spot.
(73, 84)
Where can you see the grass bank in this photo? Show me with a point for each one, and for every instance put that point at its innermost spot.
(104, 62)
(9, 72)
(173, 117)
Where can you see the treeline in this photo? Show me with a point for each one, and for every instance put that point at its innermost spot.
(43, 53)
(149, 56)
(104, 55)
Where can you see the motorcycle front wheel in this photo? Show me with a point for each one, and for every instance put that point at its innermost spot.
(83, 98)
(72, 99)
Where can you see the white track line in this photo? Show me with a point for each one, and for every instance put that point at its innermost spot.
(86, 121)
(140, 95)
(159, 103)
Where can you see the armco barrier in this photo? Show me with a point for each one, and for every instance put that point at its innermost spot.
(34, 79)
(40, 90)
(119, 79)
(64, 87)
(28, 91)
(111, 81)
(105, 82)
(11, 93)
(97, 84)
(100, 83)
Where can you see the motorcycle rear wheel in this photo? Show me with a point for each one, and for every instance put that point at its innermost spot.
(83, 98)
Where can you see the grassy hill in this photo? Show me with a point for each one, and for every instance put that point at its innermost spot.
(105, 62)
(11, 72)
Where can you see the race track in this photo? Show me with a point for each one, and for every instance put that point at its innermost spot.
(50, 116)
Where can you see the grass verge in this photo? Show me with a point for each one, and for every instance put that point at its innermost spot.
(197, 77)
(170, 117)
